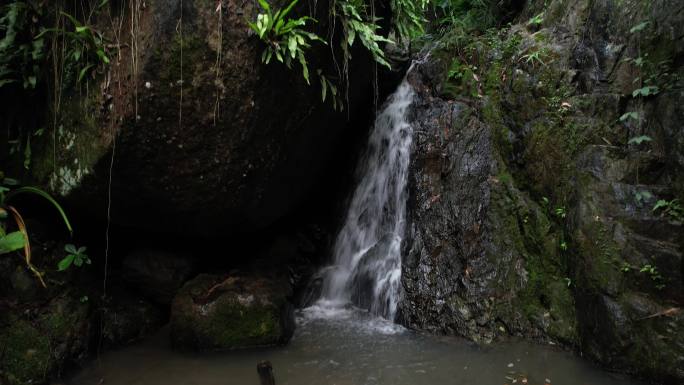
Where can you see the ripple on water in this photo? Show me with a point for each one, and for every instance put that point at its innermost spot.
(347, 316)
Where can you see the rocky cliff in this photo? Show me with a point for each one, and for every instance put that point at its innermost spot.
(544, 184)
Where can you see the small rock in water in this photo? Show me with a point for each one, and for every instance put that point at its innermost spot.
(510, 365)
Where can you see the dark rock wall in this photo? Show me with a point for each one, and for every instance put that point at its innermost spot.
(208, 139)
(531, 212)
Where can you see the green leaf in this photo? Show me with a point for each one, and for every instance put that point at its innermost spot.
(78, 261)
(11, 242)
(27, 153)
(30, 82)
(72, 19)
(83, 72)
(264, 5)
(289, 8)
(639, 27)
(351, 35)
(292, 46)
(10, 182)
(640, 139)
(66, 262)
(278, 26)
(629, 115)
(645, 91)
(69, 248)
(662, 203)
(46, 196)
(103, 56)
(324, 88)
(305, 68)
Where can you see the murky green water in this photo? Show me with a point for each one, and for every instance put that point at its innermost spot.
(343, 347)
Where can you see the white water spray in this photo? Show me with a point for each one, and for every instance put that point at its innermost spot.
(367, 251)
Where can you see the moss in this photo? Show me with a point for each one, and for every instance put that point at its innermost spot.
(236, 325)
(541, 297)
(601, 258)
(234, 319)
(193, 48)
(25, 355)
(66, 315)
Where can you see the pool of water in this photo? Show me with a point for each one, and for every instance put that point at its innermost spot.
(344, 346)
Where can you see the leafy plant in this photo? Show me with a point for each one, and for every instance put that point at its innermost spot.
(285, 37)
(652, 271)
(85, 46)
(671, 208)
(645, 91)
(19, 239)
(647, 268)
(560, 212)
(466, 15)
(329, 88)
(21, 54)
(464, 78)
(354, 25)
(408, 17)
(641, 196)
(536, 20)
(76, 257)
(534, 57)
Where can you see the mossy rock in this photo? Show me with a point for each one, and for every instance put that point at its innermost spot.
(37, 343)
(25, 355)
(214, 312)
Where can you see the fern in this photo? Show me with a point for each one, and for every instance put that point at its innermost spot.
(285, 37)
(353, 24)
(409, 17)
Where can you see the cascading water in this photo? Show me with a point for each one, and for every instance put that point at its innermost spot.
(367, 251)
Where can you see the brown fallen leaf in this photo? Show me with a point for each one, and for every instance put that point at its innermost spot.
(667, 312)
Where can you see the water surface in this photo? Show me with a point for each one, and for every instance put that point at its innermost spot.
(344, 346)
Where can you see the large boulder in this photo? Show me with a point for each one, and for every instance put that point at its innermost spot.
(157, 274)
(197, 133)
(126, 318)
(213, 312)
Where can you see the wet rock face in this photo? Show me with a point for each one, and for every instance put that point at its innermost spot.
(207, 137)
(630, 282)
(531, 213)
(215, 312)
(449, 191)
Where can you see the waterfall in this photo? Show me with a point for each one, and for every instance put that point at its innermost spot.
(367, 250)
